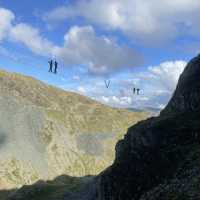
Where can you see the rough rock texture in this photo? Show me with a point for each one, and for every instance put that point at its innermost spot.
(159, 158)
(186, 97)
(46, 132)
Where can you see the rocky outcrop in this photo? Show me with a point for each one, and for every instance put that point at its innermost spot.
(159, 157)
(186, 97)
(46, 132)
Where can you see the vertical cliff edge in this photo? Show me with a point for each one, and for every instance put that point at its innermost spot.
(159, 158)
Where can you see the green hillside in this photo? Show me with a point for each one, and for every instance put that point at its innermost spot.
(46, 132)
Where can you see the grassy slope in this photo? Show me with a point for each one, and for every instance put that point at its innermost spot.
(65, 106)
(78, 114)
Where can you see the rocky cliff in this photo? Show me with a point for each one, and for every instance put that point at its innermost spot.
(46, 132)
(186, 97)
(159, 158)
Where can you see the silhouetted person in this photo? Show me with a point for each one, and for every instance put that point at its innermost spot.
(138, 91)
(50, 66)
(134, 90)
(56, 67)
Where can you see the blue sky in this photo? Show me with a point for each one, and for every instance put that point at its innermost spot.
(134, 43)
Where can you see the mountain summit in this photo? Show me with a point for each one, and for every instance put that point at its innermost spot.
(187, 94)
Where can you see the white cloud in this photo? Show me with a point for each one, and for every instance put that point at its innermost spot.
(31, 38)
(117, 101)
(157, 84)
(23, 33)
(150, 21)
(167, 73)
(81, 89)
(105, 99)
(6, 18)
(101, 54)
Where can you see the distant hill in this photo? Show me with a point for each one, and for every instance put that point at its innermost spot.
(46, 132)
(150, 110)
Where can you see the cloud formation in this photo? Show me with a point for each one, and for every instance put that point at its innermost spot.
(152, 21)
(23, 33)
(99, 54)
(157, 85)
(31, 38)
(167, 74)
(5, 22)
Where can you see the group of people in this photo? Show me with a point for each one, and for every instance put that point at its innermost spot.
(136, 90)
(107, 83)
(51, 64)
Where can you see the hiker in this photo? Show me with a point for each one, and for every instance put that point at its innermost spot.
(134, 90)
(50, 66)
(56, 67)
(138, 91)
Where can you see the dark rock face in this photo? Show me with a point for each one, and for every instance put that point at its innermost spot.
(187, 95)
(156, 151)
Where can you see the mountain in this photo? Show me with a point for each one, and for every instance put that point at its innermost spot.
(46, 132)
(159, 158)
(151, 110)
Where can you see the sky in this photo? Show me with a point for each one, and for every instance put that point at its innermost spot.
(143, 44)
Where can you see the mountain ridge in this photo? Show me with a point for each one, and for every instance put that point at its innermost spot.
(61, 130)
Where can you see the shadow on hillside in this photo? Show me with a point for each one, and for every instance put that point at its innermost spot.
(58, 189)
(4, 194)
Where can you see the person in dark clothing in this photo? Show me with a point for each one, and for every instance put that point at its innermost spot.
(134, 90)
(56, 67)
(50, 66)
(138, 91)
